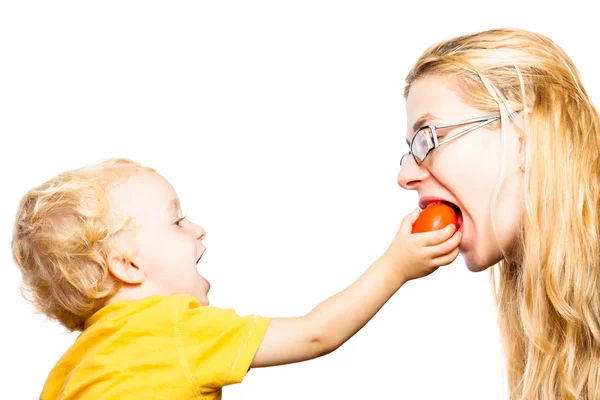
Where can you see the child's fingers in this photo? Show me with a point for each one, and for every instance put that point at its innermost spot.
(447, 246)
(408, 221)
(436, 237)
(446, 259)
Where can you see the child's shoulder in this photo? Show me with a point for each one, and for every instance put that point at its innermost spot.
(158, 310)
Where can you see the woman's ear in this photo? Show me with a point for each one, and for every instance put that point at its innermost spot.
(124, 269)
(520, 125)
(522, 151)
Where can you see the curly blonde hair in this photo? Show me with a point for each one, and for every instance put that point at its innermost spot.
(547, 292)
(61, 237)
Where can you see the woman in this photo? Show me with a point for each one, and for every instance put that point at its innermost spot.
(500, 126)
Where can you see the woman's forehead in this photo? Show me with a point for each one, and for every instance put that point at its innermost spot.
(432, 100)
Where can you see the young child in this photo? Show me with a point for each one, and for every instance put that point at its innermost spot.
(105, 250)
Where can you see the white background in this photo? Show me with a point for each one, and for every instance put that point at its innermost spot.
(280, 124)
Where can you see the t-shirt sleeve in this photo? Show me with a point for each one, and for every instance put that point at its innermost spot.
(217, 345)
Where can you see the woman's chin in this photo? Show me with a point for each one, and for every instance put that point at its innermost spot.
(477, 263)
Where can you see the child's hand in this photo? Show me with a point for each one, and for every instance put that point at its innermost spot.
(335, 320)
(415, 255)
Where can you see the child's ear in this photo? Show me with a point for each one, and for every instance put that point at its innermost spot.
(125, 270)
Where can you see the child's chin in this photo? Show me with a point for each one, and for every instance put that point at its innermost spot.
(201, 296)
(203, 299)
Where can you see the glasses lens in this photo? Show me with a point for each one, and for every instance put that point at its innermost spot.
(404, 159)
(422, 143)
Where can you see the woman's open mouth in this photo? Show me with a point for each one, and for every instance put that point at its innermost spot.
(426, 201)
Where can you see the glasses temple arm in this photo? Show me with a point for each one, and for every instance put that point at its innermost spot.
(467, 131)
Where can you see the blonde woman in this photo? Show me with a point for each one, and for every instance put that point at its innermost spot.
(499, 125)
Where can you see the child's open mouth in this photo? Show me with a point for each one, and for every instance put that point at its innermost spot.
(199, 258)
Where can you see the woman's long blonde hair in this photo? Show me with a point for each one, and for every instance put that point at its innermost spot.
(548, 292)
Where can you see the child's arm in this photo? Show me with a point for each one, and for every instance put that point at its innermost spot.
(338, 318)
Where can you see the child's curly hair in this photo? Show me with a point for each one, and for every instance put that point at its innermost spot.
(61, 239)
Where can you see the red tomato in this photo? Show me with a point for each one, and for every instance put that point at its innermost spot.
(435, 216)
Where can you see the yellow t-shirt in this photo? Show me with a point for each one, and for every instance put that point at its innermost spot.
(157, 348)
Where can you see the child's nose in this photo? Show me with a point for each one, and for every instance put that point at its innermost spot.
(200, 233)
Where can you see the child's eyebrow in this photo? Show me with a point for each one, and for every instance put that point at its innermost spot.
(174, 205)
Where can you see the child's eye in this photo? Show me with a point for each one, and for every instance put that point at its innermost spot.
(178, 222)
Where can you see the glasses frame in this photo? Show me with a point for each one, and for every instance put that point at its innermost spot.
(437, 143)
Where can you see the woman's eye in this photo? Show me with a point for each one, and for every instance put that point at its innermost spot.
(179, 221)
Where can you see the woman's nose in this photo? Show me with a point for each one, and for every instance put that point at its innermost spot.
(411, 174)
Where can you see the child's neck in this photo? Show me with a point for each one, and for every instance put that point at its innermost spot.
(137, 292)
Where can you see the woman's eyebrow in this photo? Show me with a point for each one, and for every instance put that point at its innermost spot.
(425, 117)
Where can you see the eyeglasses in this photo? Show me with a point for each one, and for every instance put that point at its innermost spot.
(425, 139)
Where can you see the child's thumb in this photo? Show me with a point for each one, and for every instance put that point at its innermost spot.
(409, 220)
